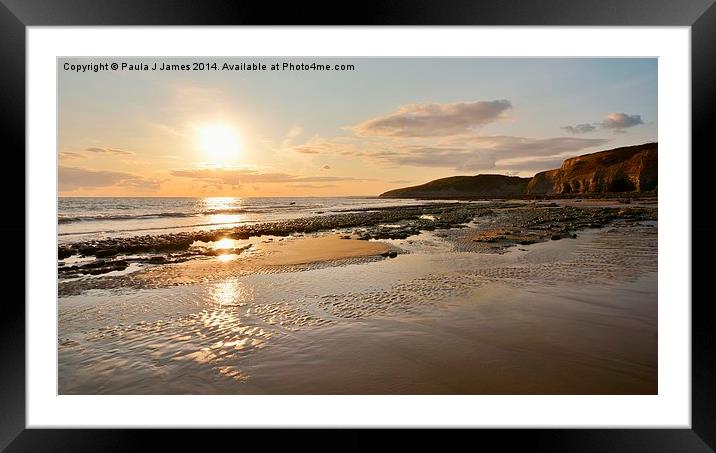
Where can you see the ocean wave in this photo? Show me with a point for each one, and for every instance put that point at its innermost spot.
(154, 228)
(156, 215)
(90, 218)
(258, 209)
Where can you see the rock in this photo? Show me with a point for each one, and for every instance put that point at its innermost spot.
(104, 253)
(574, 236)
(556, 237)
(626, 169)
(64, 252)
(103, 267)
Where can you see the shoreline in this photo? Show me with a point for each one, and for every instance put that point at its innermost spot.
(559, 317)
(533, 222)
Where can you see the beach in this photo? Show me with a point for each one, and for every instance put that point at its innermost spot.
(488, 297)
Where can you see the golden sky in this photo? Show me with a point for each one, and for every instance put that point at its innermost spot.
(385, 124)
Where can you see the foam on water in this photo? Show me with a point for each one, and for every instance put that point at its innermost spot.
(92, 218)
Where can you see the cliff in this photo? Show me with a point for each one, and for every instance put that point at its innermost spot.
(480, 186)
(627, 169)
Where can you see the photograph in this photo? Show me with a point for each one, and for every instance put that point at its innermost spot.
(357, 225)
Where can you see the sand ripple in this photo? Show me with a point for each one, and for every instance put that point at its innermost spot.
(204, 337)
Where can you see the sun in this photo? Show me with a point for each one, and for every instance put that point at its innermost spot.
(219, 142)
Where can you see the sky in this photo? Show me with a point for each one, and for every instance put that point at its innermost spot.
(384, 124)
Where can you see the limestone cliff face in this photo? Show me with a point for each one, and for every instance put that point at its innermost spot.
(628, 169)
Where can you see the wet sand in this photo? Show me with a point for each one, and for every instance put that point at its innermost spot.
(315, 249)
(325, 315)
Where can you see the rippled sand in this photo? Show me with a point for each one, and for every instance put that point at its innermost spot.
(568, 316)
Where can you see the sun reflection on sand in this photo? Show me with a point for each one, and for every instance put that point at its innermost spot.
(223, 244)
(226, 258)
(231, 293)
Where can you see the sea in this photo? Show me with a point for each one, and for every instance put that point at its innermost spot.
(81, 219)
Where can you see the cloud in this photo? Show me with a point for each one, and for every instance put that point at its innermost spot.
(465, 152)
(73, 178)
(307, 149)
(69, 155)
(401, 181)
(118, 152)
(243, 176)
(434, 156)
(313, 186)
(532, 165)
(292, 134)
(507, 153)
(143, 184)
(318, 145)
(171, 157)
(615, 121)
(444, 136)
(579, 128)
(431, 120)
(621, 121)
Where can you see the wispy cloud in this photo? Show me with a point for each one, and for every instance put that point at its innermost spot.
(73, 178)
(465, 152)
(89, 152)
(614, 121)
(445, 136)
(320, 145)
(237, 177)
(531, 164)
(117, 152)
(313, 186)
(291, 135)
(142, 184)
(621, 121)
(401, 181)
(69, 155)
(430, 120)
(579, 128)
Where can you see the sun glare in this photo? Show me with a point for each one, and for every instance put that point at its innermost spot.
(219, 142)
(224, 243)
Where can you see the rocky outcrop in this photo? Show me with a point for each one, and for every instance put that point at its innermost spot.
(479, 186)
(627, 169)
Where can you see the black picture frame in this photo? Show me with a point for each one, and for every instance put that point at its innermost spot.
(700, 15)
